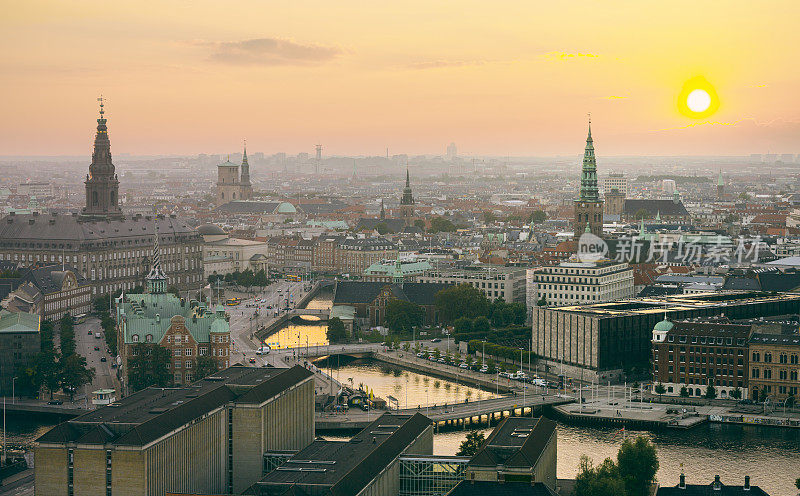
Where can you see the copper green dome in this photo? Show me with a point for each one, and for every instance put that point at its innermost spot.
(664, 326)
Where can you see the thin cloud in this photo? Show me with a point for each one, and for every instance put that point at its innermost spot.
(569, 56)
(615, 97)
(439, 64)
(269, 52)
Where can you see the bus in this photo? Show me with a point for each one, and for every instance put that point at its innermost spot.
(232, 302)
(293, 278)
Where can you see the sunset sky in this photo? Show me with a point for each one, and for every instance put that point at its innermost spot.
(497, 78)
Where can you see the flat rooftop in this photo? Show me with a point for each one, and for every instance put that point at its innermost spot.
(346, 467)
(153, 412)
(671, 303)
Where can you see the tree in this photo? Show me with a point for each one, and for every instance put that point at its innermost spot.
(481, 324)
(46, 335)
(684, 392)
(336, 330)
(205, 366)
(711, 392)
(440, 224)
(382, 228)
(149, 366)
(462, 300)
(75, 373)
(538, 216)
(603, 480)
(462, 325)
(735, 393)
(403, 316)
(660, 389)
(637, 463)
(490, 365)
(48, 370)
(471, 445)
(419, 223)
(67, 335)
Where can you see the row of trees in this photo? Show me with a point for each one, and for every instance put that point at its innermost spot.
(54, 369)
(709, 394)
(500, 351)
(246, 278)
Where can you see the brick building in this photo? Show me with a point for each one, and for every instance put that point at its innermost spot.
(774, 366)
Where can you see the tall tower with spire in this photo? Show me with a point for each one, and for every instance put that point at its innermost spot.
(246, 189)
(407, 203)
(588, 205)
(156, 280)
(720, 187)
(102, 185)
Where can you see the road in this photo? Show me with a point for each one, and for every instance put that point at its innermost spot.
(85, 341)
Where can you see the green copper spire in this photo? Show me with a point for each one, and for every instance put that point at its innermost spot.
(589, 191)
(720, 181)
(588, 229)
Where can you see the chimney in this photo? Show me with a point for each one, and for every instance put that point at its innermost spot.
(682, 483)
(746, 483)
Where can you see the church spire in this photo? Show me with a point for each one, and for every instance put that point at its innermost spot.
(408, 179)
(245, 180)
(588, 188)
(156, 279)
(102, 185)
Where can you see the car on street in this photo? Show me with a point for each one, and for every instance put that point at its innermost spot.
(55, 402)
(252, 360)
(436, 340)
(463, 366)
(102, 359)
(96, 348)
(441, 360)
(484, 369)
(89, 333)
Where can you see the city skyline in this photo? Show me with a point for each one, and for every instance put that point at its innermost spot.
(515, 80)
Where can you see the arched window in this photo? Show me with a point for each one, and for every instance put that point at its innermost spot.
(135, 338)
(234, 196)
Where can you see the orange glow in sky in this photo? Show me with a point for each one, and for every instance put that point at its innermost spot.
(502, 78)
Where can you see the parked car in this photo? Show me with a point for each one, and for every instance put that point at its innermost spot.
(463, 366)
(484, 369)
(103, 359)
(89, 332)
(252, 360)
(436, 340)
(55, 402)
(96, 348)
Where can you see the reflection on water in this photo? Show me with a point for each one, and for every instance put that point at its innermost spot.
(299, 335)
(24, 429)
(410, 389)
(770, 456)
(321, 301)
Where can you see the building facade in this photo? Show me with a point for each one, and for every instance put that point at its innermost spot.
(615, 181)
(233, 181)
(571, 283)
(588, 205)
(775, 367)
(697, 354)
(495, 281)
(207, 438)
(185, 327)
(110, 251)
(20, 341)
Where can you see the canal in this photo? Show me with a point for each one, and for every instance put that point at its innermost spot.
(771, 456)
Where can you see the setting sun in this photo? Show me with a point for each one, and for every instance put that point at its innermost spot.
(698, 99)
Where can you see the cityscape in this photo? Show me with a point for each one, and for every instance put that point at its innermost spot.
(423, 250)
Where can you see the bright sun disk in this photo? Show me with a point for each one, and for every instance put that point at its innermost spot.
(698, 100)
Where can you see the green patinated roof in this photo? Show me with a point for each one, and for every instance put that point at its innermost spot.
(663, 326)
(18, 322)
(286, 208)
(708, 239)
(144, 314)
(344, 312)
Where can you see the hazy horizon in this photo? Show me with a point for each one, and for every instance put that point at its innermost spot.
(498, 79)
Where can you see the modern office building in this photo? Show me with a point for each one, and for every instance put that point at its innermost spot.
(205, 438)
(20, 341)
(599, 341)
(698, 353)
(496, 281)
(615, 181)
(775, 366)
(109, 250)
(575, 282)
(366, 465)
